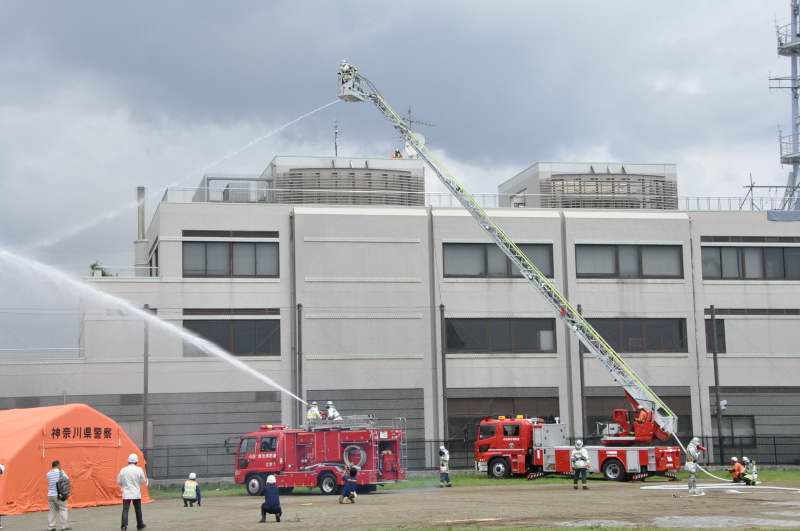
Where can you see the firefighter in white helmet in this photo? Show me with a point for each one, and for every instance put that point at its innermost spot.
(750, 471)
(313, 415)
(693, 450)
(580, 464)
(444, 467)
(333, 414)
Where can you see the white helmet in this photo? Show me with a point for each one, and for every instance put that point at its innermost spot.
(640, 406)
(442, 448)
(579, 444)
(695, 440)
(745, 459)
(313, 402)
(734, 459)
(329, 403)
(192, 475)
(133, 459)
(270, 480)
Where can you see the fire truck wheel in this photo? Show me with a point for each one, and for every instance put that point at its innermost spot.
(498, 468)
(613, 470)
(327, 483)
(255, 485)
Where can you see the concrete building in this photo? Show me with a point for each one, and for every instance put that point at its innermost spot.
(592, 185)
(412, 312)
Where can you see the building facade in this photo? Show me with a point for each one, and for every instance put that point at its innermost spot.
(412, 312)
(593, 185)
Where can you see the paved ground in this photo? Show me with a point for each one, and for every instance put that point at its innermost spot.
(519, 505)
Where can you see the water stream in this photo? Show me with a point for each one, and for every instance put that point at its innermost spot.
(15, 268)
(111, 214)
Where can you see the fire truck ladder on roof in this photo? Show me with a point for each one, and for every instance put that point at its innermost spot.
(354, 87)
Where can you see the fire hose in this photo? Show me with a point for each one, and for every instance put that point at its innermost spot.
(698, 464)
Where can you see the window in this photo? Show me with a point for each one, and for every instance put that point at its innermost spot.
(751, 263)
(241, 337)
(643, 335)
(486, 260)
(720, 323)
(500, 335)
(487, 431)
(737, 430)
(247, 446)
(269, 444)
(629, 261)
(230, 259)
(511, 430)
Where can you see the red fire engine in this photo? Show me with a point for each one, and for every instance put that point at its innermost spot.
(318, 454)
(531, 447)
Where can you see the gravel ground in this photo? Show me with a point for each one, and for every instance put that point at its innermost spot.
(524, 504)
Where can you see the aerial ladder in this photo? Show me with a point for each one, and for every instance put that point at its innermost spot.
(355, 87)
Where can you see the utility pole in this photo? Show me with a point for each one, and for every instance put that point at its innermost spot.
(146, 390)
(713, 314)
(584, 426)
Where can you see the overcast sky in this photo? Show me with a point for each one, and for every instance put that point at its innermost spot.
(98, 97)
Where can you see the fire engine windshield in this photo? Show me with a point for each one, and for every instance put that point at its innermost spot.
(487, 431)
(511, 430)
(269, 444)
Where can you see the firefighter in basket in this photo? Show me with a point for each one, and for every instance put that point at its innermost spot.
(313, 415)
(693, 451)
(332, 413)
(349, 489)
(580, 464)
(444, 467)
(750, 476)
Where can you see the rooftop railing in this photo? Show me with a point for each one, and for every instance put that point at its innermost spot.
(556, 200)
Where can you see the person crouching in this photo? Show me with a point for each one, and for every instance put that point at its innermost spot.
(272, 500)
(191, 492)
(350, 483)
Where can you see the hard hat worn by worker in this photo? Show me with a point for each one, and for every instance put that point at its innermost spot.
(271, 480)
(579, 444)
(192, 475)
(329, 403)
(133, 459)
(734, 459)
(745, 460)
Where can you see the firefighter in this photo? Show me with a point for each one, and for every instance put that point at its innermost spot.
(313, 415)
(332, 413)
(272, 500)
(349, 489)
(444, 467)
(693, 450)
(641, 414)
(750, 475)
(580, 464)
(736, 470)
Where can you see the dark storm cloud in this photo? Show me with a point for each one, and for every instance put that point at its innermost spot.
(165, 86)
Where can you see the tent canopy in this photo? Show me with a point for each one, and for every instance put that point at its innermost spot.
(91, 447)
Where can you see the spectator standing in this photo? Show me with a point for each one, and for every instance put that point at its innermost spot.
(130, 480)
(57, 495)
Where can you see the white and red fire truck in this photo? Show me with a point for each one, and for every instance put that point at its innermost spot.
(317, 455)
(530, 447)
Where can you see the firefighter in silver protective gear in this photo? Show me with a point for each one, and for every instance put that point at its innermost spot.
(580, 464)
(313, 414)
(333, 414)
(444, 467)
(693, 451)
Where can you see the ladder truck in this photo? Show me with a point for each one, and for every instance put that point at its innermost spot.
(355, 87)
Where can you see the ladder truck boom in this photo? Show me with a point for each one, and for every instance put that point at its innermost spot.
(354, 87)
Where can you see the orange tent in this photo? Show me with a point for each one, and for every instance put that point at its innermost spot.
(92, 449)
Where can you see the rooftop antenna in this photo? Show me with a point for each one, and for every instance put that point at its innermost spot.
(789, 46)
(336, 133)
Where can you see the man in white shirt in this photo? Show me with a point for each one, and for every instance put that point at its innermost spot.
(57, 507)
(130, 480)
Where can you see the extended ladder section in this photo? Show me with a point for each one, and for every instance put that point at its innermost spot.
(355, 87)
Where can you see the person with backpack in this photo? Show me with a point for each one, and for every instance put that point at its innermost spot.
(58, 491)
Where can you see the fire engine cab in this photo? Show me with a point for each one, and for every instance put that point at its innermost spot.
(317, 455)
(529, 446)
